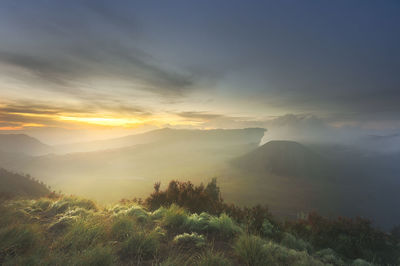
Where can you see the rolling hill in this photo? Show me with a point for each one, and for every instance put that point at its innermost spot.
(216, 136)
(14, 185)
(21, 143)
(284, 158)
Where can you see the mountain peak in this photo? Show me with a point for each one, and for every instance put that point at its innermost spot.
(281, 157)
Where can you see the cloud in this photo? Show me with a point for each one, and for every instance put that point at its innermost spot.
(24, 114)
(69, 51)
(199, 115)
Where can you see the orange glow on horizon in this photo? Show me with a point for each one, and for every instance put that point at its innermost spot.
(160, 120)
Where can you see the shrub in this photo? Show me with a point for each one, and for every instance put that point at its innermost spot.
(361, 262)
(250, 249)
(196, 199)
(290, 241)
(224, 226)
(269, 230)
(329, 256)
(190, 240)
(280, 255)
(352, 238)
(198, 223)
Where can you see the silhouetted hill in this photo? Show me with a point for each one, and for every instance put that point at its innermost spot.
(286, 158)
(15, 185)
(21, 143)
(218, 136)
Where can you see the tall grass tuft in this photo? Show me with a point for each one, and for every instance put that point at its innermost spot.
(140, 246)
(175, 217)
(82, 235)
(210, 258)
(190, 240)
(224, 226)
(96, 256)
(250, 249)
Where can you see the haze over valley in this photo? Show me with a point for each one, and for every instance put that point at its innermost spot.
(199, 133)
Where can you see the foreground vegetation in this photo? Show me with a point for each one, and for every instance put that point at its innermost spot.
(182, 225)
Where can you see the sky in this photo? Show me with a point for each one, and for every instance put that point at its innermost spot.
(80, 70)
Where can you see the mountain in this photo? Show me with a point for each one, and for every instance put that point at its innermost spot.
(15, 185)
(21, 143)
(109, 174)
(217, 136)
(285, 158)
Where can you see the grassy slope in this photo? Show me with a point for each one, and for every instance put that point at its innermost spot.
(14, 185)
(73, 231)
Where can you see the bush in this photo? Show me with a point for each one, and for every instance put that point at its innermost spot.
(224, 226)
(269, 230)
(361, 262)
(250, 249)
(280, 255)
(352, 238)
(196, 199)
(329, 256)
(290, 241)
(190, 240)
(255, 251)
(198, 223)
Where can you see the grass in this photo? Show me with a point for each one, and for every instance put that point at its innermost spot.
(175, 217)
(140, 246)
(19, 239)
(82, 235)
(250, 249)
(211, 258)
(190, 240)
(74, 231)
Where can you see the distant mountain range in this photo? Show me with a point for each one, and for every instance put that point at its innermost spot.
(289, 176)
(221, 136)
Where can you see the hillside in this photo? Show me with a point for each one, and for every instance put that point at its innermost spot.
(21, 143)
(18, 186)
(75, 231)
(284, 158)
